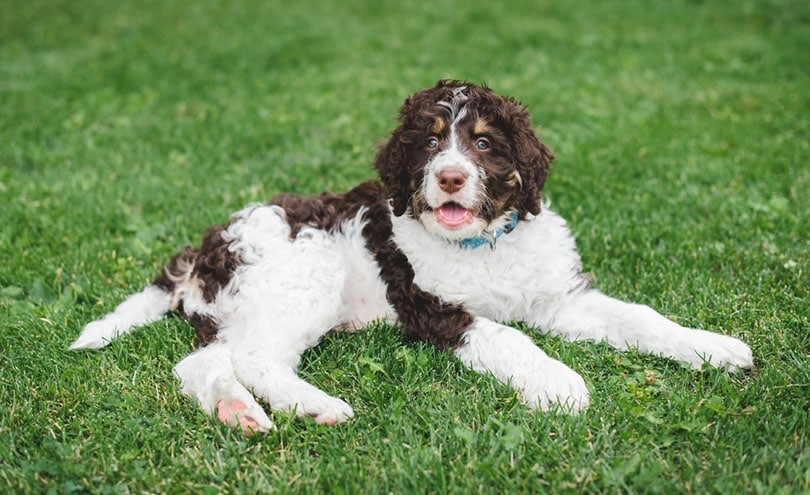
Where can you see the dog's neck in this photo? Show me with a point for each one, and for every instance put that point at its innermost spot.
(488, 237)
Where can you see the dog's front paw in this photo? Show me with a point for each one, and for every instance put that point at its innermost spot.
(553, 385)
(327, 410)
(720, 351)
(513, 358)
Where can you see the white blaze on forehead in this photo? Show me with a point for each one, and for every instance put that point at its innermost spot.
(457, 108)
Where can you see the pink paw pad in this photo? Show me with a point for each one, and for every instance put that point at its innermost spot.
(324, 420)
(232, 414)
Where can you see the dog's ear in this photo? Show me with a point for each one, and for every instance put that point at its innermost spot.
(532, 160)
(392, 168)
(392, 162)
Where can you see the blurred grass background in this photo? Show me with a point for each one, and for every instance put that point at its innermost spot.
(681, 130)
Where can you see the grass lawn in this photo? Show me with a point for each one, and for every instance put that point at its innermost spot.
(683, 140)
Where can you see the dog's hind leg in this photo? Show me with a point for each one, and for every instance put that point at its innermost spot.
(138, 309)
(208, 376)
(278, 384)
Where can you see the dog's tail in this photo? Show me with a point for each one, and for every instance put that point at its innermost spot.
(147, 306)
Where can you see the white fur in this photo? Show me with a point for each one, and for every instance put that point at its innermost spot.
(208, 374)
(452, 158)
(546, 290)
(291, 292)
(288, 293)
(138, 309)
(512, 357)
(282, 301)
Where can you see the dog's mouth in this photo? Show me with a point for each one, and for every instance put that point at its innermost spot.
(453, 216)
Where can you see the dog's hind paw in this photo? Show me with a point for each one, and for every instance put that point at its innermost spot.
(329, 411)
(249, 418)
(97, 334)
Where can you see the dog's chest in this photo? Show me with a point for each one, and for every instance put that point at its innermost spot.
(527, 269)
(486, 282)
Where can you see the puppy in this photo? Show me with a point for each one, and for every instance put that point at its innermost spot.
(451, 240)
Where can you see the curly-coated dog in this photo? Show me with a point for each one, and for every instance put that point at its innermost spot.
(451, 240)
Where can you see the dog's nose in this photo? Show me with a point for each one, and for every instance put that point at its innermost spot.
(451, 180)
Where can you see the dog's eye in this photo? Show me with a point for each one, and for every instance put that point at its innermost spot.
(432, 143)
(482, 144)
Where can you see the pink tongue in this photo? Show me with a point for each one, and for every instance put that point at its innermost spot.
(453, 215)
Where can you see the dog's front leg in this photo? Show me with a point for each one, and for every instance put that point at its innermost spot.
(591, 315)
(512, 357)
(480, 343)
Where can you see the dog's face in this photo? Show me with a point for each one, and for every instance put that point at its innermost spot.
(461, 158)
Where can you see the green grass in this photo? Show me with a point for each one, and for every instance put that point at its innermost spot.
(681, 129)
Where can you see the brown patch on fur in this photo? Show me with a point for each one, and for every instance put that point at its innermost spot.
(481, 127)
(175, 270)
(205, 327)
(423, 315)
(327, 211)
(438, 126)
(211, 266)
(215, 263)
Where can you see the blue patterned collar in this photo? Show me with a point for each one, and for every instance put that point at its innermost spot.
(490, 237)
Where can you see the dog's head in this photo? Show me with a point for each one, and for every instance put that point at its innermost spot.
(462, 158)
